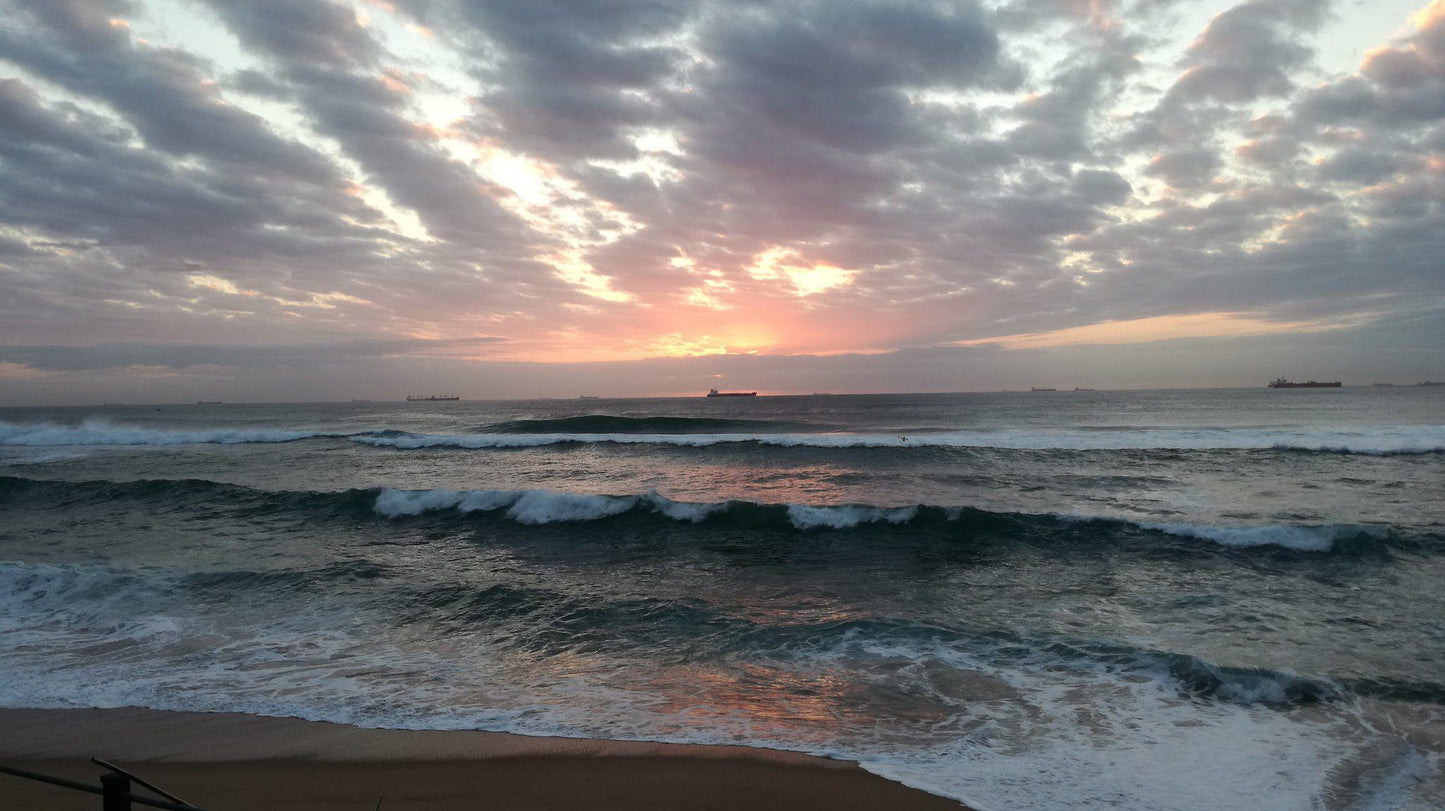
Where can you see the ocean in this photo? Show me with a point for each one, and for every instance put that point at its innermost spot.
(1043, 600)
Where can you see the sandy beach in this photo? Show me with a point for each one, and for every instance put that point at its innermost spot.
(228, 761)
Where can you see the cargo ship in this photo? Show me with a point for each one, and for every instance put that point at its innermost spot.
(430, 398)
(1281, 383)
(716, 393)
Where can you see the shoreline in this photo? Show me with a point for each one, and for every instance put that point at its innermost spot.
(230, 760)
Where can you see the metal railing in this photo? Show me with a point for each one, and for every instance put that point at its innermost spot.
(114, 788)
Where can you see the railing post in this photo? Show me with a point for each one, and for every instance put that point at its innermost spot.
(115, 792)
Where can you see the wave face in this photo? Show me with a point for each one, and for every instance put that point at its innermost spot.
(101, 432)
(704, 432)
(539, 507)
(606, 424)
(1384, 441)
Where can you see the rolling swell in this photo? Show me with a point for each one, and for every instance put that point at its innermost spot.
(100, 432)
(181, 494)
(607, 424)
(1384, 441)
(698, 432)
(540, 507)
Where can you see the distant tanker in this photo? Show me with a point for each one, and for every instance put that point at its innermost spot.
(716, 393)
(1281, 383)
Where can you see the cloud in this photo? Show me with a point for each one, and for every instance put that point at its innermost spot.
(1248, 51)
(1184, 168)
(289, 185)
(1158, 328)
(187, 356)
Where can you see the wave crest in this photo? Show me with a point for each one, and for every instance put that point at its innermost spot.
(609, 424)
(1300, 538)
(537, 507)
(704, 432)
(100, 432)
(1383, 441)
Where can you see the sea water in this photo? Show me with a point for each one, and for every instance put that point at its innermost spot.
(1124, 600)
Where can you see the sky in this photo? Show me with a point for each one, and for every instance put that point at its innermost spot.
(325, 200)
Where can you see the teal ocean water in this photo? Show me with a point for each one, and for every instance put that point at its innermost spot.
(1123, 600)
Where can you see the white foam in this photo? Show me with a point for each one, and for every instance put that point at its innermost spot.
(545, 507)
(1062, 732)
(805, 516)
(20, 457)
(686, 511)
(1374, 440)
(1300, 538)
(392, 502)
(539, 507)
(103, 432)
(536, 506)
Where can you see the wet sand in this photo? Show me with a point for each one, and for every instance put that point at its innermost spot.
(223, 761)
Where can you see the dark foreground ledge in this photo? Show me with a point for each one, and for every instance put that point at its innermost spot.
(227, 761)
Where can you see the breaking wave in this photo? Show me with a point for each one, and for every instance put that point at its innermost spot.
(545, 507)
(1300, 538)
(540, 507)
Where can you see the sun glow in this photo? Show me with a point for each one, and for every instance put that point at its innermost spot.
(807, 279)
(675, 345)
(1157, 328)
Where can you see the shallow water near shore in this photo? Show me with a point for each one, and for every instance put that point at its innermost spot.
(1129, 600)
